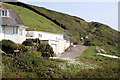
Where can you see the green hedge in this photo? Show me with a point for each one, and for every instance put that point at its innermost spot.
(9, 46)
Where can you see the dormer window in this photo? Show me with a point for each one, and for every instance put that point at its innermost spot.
(4, 13)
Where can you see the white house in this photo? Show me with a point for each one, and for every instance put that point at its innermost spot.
(56, 41)
(11, 26)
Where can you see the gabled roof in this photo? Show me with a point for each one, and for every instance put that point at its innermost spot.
(13, 19)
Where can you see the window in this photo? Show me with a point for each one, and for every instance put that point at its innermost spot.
(15, 30)
(20, 31)
(4, 13)
(40, 35)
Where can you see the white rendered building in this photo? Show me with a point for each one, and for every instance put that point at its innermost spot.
(11, 26)
(56, 41)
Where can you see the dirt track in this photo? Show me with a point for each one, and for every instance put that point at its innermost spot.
(74, 51)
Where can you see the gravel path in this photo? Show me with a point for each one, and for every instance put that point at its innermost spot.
(74, 52)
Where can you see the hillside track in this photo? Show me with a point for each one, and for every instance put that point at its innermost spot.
(74, 51)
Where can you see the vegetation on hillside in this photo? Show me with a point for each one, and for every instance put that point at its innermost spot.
(105, 37)
(98, 34)
(30, 65)
(34, 45)
(35, 21)
(74, 27)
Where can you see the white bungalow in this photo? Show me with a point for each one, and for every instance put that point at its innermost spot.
(57, 41)
(11, 26)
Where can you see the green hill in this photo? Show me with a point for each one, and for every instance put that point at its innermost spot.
(74, 27)
(105, 37)
(99, 34)
(35, 21)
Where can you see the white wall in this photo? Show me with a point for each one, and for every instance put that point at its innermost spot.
(54, 45)
(44, 35)
(59, 46)
(15, 38)
(67, 44)
(7, 33)
(1, 34)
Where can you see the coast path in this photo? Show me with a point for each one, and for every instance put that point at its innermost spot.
(74, 51)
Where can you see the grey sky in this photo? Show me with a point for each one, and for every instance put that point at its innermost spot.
(104, 12)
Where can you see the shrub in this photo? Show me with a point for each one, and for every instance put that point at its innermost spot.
(88, 43)
(8, 46)
(22, 48)
(31, 42)
(27, 42)
(37, 53)
(46, 50)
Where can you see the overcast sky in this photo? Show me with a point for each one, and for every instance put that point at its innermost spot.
(104, 11)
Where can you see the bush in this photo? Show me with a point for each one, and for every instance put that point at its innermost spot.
(88, 43)
(46, 50)
(37, 53)
(8, 46)
(31, 42)
(22, 48)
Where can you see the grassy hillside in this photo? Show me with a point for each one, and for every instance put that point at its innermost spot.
(105, 37)
(99, 34)
(35, 21)
(29, 65)
(75, 28)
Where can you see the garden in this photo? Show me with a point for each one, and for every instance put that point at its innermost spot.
(33, 62)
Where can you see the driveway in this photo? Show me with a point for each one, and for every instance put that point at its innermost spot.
(74, 51)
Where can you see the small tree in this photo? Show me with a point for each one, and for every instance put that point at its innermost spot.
(46, 50)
